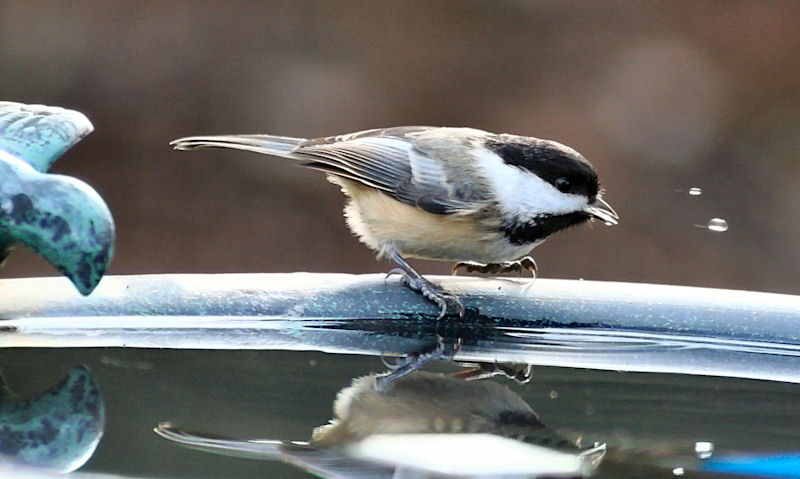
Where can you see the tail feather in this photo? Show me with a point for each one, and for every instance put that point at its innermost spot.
(250, 449)
(266, 144)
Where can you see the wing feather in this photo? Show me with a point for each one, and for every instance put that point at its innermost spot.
(389, 161)
(418, 165)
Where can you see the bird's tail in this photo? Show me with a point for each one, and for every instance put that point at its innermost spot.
(266, 144)
(251, 449)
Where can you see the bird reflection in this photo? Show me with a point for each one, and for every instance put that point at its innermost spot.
(439, 406)
(425, 402)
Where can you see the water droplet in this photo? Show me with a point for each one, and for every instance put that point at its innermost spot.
(717, 224)
(553, 394)
(678, 471)
(704, 449)
(695, 191)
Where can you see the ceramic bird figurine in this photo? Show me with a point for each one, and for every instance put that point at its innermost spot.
(60, 218)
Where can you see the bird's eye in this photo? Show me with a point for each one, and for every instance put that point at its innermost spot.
(563, 185)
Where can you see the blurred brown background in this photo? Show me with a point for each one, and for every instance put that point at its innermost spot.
(659, 96)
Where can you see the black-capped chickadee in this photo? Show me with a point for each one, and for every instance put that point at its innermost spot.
(433, 409)
(452, 194)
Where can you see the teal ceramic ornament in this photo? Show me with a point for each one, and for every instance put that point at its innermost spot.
(59, 429)
(60, 218)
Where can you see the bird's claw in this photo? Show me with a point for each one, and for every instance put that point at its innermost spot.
(519, 372)
(393, 272)
(393, 365)
(524, 264)
(429, 291)
(415, 361)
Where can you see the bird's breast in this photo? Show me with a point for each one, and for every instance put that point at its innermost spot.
(382, 223)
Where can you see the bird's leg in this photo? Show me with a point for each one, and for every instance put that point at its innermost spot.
(417, 282)
(524, 264)
(414, 361)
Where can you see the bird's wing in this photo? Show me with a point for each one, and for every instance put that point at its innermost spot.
(391, 161)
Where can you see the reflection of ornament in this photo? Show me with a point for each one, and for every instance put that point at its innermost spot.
(62, 219)
(59, 429)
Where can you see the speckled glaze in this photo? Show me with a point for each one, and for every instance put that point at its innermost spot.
(62, 219)
(59, 429)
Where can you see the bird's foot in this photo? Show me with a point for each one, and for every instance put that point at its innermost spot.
(431, 292)
(519, 372)
(414, 361)
(524, 264)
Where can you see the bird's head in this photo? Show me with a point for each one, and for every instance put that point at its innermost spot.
(543, 186)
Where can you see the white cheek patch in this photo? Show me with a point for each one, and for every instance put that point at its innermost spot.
(522, 194)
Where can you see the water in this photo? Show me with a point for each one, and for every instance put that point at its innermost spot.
(704, 449)
(668, 417)
(652, 423)
(717, 225)
(693, 191)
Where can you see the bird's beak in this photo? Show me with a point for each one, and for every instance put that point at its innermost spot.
(603, 211)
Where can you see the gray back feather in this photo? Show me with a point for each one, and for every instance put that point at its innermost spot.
(398, 161)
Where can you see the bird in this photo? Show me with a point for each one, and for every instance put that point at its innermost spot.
(458, 194)
(429, 402)
(422, 411)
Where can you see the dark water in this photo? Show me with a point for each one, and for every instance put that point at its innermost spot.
(648, 420)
